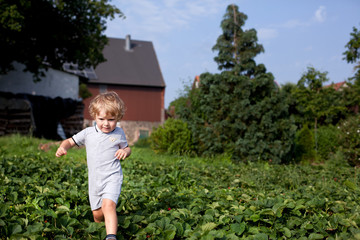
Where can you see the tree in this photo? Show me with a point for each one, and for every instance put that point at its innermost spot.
(352, 54)
(48, 32)
(237, 48)
(240, 111)
(316, 103)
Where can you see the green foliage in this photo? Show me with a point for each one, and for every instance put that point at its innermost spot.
(352, 54)
(327, 141)
(168, 197)
(236, 47)
(84, 91)
(38, 33)
(350, 139)
(178, 104)
(143, 143)
(243, 117)
(173, 137)
(305, 145)
(239, 112)
(314, 102)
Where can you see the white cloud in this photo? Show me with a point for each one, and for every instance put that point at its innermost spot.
(320, 14)
(148, 16)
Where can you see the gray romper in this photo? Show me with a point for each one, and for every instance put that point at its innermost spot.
(104, 169)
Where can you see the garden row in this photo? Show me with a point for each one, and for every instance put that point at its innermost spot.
(168, 197)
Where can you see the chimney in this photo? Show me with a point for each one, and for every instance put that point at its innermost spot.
(127, 43)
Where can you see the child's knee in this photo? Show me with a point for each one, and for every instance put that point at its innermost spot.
(98, 216)
(108, 204)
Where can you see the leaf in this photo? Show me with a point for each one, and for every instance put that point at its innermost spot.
(229, 198)
(179, 229)
(208, 226)
(169, 234)
(238, 228)
(261, 236)
(267, 212)
(15, 228)
(278, 209)
(316, 236)
(238, 218)
(137, 218)
(255, 217)
(37, 227)
(350, 184)
(287, 232)
(62, 209)
(163, 222)
(50, 213)
(92, 227)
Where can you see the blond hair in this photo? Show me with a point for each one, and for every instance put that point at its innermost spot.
(110, 102)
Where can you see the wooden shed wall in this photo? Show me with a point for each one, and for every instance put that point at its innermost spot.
(142, 103)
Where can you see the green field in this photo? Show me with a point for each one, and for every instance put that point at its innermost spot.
(170, 197)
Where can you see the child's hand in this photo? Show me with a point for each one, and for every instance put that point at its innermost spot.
(60, 151)
(121, 154)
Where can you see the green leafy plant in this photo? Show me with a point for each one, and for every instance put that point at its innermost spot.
(350, 139)
(173, 136)
(240, 111)
(176, 197)
(305, 145)
(327, 141)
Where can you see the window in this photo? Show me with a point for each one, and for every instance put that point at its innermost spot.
(143, 134)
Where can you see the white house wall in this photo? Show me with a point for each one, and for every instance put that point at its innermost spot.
(54, 84)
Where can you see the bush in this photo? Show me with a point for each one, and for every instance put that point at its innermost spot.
(350, 139)
(327, 141)
(305, 146)
(143, 143)
(173, 137)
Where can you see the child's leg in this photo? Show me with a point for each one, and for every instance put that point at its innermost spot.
(108, 208)
(98, 215)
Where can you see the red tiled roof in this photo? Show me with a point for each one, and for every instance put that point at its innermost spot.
(336, 86)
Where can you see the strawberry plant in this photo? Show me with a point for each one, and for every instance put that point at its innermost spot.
(172, 197)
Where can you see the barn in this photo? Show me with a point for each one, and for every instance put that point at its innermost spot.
(132, 71)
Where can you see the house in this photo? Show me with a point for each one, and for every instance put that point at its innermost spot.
(37, 108)
(133, 72)
(338, 86)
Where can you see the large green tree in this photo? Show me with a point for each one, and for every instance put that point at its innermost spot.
(352, 55)
(240, 111)
(51, 32)
(316, 103)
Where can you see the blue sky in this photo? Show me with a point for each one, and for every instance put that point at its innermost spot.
(295, 34)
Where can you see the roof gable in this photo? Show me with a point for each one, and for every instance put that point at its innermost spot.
(135, 66)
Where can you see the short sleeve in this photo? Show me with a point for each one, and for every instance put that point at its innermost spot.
(123, 141)
(79, 138)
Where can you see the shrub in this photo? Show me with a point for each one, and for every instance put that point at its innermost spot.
(305, 145)
(327, 141)
(350, 139)
(173, 137)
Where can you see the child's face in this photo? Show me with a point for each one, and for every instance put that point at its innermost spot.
(104, 122)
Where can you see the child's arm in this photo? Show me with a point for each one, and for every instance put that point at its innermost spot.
(123, 153)
(64, 146)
